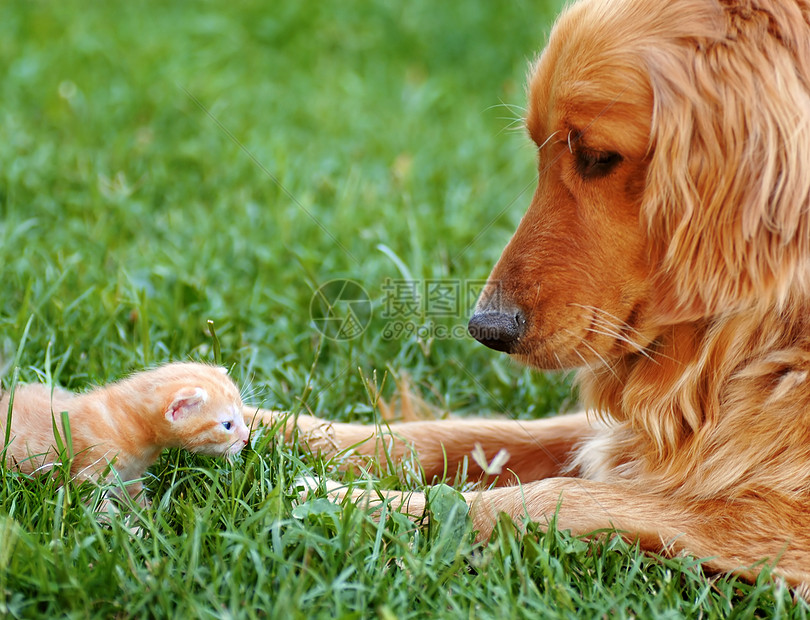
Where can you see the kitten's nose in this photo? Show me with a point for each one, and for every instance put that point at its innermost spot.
(499, 330)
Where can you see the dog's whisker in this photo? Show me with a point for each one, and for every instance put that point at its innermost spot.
(585, 364)
(616, 331)
(606, 330)
(619, 322)
(509, 106)
(603, 361)
(639, 348)
(621, 338)
(536, 301)
(513, 122)
(615, 321)
(516, 124)
(546, 141)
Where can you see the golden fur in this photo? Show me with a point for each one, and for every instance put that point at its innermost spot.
(127, 424)
(667, 252)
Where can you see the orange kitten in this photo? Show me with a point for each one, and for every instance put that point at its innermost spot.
(128, 423)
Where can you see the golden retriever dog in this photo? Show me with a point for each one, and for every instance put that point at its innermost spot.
(666, 251)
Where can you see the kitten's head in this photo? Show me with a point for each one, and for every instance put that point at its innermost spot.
(204, 410)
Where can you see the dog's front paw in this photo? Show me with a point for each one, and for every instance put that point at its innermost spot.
(306, 485)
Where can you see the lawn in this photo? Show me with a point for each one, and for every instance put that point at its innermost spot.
(176, 182)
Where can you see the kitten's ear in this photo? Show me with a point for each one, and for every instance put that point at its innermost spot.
(185, 401)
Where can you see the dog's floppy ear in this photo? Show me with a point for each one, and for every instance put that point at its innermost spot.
(728, 188)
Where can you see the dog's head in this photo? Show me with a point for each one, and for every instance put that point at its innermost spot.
(674, 177)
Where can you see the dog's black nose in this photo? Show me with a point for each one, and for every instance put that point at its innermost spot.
(498, 330)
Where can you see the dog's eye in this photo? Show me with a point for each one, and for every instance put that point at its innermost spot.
(596, 164)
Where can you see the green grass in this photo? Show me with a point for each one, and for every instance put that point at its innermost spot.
(166, 164)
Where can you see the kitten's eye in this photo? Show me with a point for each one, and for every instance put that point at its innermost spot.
(227, 425)
(596, 164)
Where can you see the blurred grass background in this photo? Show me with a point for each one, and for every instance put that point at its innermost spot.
(142, 144)
(166, 164)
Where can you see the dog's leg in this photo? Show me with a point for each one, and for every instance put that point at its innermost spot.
(730, 536)
(536, 448)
